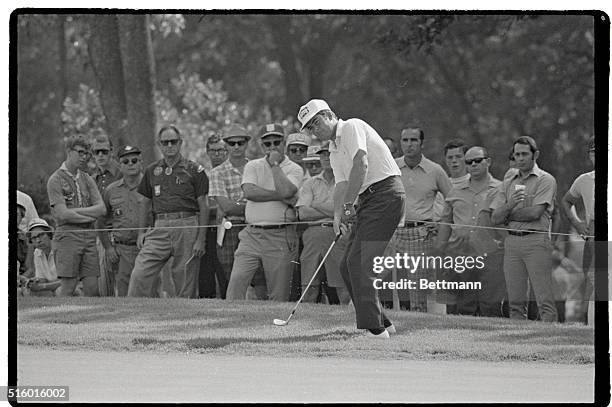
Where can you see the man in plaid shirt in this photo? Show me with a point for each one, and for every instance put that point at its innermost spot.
(225, 188)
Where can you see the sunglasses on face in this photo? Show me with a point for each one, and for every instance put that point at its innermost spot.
(82, 153)
(269, 144)
(217, 151)
(233, 143)
(103, 151)
(127, 161)
(296, 150)
(167, 143)
(475, 160)
(313, 165)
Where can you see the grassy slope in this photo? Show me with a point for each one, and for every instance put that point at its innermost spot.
(245, 328)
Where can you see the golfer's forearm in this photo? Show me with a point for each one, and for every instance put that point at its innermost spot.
(339, 193)
(356, 176)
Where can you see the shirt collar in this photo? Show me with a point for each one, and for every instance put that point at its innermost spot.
(534, 171)
(425, 163)
(333, 144)
(64, 168)
(113, 168)
(181, 163)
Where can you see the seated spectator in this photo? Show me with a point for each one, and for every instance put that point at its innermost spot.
(45, 282)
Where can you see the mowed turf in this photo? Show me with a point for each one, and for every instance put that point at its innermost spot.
(246, 328)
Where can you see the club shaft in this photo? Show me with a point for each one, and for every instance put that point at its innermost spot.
(313, 276)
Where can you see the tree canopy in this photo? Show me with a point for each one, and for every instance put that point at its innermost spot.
(485, 78)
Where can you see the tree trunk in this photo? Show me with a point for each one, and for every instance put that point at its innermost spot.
(62, 55)
(294, 97)
(105, 57)
(139, 75)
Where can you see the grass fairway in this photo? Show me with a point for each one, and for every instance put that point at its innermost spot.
(245, 328)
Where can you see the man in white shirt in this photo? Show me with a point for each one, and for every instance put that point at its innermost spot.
(583, 189)
(363, 168)
(270, 185)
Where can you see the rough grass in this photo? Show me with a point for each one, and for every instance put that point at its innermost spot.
(245, 328)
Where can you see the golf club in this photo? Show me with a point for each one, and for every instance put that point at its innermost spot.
(280, 322)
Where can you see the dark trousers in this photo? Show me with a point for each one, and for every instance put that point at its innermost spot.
(209, 267)
(378, 214)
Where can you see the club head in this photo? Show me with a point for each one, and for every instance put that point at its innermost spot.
(279, 322)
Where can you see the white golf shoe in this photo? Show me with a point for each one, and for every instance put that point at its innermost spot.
(383, 335)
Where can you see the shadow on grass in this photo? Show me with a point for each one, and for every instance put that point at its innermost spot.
(217, 343)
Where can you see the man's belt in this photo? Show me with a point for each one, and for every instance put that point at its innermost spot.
(523, 232)
(125, 242)
(416, 224)
(268, 226)
(376, 186)
(174, 215)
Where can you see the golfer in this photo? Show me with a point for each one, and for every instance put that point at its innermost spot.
(364, 169)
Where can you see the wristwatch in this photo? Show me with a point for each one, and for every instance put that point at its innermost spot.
(347, 208)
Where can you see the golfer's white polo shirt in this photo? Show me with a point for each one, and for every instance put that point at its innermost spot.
(259, 172)
(353, 135)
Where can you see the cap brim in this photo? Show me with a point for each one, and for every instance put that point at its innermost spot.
(272, 133)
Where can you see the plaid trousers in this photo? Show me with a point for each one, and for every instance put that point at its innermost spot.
(417, 241)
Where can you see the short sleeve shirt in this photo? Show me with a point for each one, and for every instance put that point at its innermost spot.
(584, 187)
(422, 183)
(540, 188)
(123, 209)
(174, 189)
(316, 190)
(259, 172)
(463, 207)
(106, 177)
(353, 135)
(76, 191)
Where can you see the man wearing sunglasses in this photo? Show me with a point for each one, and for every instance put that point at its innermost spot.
(270, 184)
(525, 205)
(467, 204)
(175, 190)
(75, 204)
(107, 169)
(297, 149)
(122, 202)
(363, 168)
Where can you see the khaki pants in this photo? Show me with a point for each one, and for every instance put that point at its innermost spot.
(529, 257)
(274, 249)
(159, 247)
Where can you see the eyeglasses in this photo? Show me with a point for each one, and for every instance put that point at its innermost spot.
(269, 144)
(475, 160)
(103, 151)
(296, 150)
(82, 153)
(233, 143)
(167, 143)
(126, 161)
(315, 164)
(217, 151)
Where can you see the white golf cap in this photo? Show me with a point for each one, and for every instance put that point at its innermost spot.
(310, 109)
(313, 154)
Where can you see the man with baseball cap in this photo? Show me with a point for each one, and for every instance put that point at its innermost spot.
(297, 148)
(312, 161)
(363, 168)
(122, 202)
(270, 184)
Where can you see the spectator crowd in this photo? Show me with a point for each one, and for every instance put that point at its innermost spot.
(258, 229)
